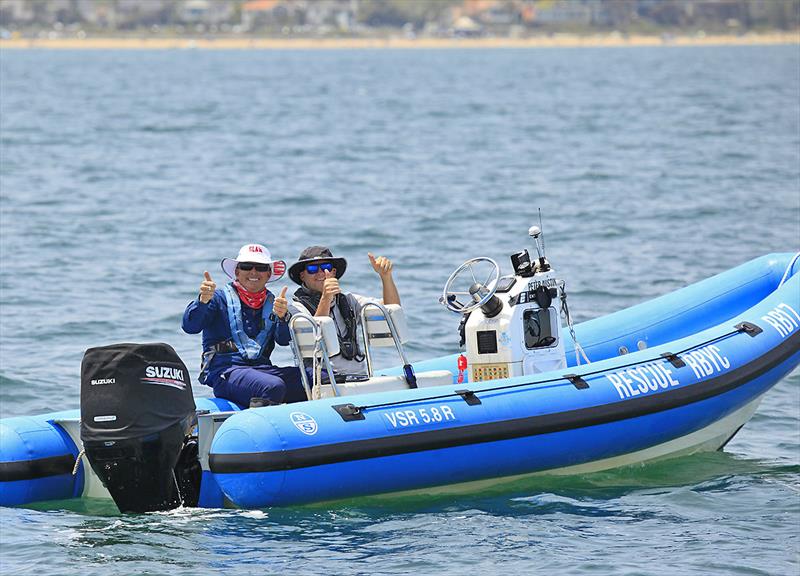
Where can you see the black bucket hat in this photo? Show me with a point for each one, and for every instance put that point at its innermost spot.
(316, 254)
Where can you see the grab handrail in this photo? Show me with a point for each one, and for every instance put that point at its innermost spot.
(319, 344)
(392, 330)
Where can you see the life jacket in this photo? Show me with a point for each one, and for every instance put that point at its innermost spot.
(250, 349)
(344, 318)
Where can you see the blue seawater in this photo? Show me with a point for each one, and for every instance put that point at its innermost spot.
(125, 175)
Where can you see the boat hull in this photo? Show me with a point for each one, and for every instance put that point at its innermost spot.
(38, 458)
(560, 442)
(708, 439)
(623, 410)
(706, 355)
(41, 459)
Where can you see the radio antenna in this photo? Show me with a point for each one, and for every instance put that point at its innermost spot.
(542, 229)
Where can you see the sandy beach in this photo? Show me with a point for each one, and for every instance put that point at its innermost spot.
(554, 41)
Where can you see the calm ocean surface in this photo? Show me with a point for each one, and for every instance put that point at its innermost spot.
(125, 175)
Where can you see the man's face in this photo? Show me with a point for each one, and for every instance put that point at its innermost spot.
(254, 279)
(313, 276)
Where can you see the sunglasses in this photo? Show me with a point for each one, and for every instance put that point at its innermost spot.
(247, 266)
(314, 268)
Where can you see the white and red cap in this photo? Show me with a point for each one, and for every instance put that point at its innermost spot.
(257, 254)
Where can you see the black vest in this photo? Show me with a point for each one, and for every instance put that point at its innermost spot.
(344, 317)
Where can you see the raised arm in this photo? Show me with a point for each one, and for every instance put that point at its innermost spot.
(194, 317)
(383, 266)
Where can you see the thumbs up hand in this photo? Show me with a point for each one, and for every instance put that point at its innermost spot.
(207, 288)
(281, 306)
(330, 288)
(382, 265)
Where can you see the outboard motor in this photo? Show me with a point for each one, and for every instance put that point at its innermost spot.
(137, 411)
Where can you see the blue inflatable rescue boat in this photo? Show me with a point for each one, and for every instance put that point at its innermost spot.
(530, 394)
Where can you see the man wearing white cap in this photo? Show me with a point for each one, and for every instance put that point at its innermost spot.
(241, 323)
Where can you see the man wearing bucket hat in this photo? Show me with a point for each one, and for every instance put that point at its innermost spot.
(241, 323)
(318, 273)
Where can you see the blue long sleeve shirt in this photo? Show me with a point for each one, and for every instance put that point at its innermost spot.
(212, 320)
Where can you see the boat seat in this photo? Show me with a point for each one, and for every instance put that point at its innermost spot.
(305, 335)
(383, 326)
(386, 326)
(377, 329)
(312, 337)
(388, 383)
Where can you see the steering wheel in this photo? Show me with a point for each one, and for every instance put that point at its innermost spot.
(474, 292)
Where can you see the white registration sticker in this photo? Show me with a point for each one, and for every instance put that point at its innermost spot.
(422, 416)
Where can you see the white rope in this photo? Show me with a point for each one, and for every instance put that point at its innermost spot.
(788, 269)
(578, 348)
(177, 487)
(78, 461)
(316, 386)
(565, 309)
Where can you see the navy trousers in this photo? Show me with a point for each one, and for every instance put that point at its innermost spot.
(278, 384)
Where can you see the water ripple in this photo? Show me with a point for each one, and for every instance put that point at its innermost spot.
(123, 176)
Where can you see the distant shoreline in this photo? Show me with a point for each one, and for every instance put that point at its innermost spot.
(554, 41)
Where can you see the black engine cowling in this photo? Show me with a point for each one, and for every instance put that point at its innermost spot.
(137, 414)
